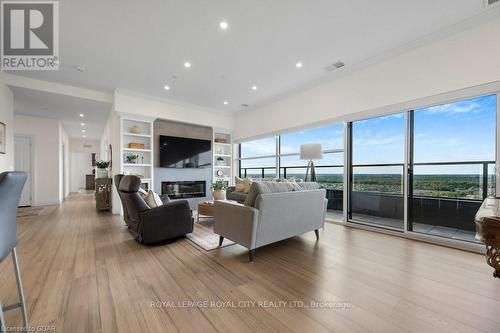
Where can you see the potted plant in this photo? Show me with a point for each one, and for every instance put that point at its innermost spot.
(219, 190)
(132, 159)
(102, 169)
(220, 160)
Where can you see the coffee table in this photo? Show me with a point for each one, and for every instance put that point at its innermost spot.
(205, 208)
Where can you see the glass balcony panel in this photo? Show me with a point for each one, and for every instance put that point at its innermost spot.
(377, 196)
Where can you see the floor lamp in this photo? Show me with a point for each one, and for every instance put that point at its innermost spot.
(310, 152)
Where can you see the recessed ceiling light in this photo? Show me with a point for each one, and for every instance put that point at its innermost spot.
(254, 87)
(82, 124)
(298, 65)
(223, 25)
(226, 102)
(83, 131)
(166, 87)
(84, 136)
(82, 115)
(187, 64)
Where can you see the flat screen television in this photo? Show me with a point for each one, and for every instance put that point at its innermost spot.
(176, 152)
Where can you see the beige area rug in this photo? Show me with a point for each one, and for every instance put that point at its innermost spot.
(203, 235)
(35, 211)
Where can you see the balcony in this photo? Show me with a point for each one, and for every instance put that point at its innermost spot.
(441, 205)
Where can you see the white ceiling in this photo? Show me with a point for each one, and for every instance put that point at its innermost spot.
(66, 109)
(140, 45)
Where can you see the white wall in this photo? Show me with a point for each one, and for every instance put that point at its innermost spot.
(81, 161)
(155, 108)
(64, 163)
(111, 136)
(45, 143)
(81, 165)
(459, 61)
(7, 117)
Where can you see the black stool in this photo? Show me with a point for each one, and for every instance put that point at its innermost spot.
(11, 186)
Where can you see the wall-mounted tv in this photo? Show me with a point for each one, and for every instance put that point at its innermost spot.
(177, 152)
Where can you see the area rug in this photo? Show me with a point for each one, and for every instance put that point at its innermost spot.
(203, 235)
(35, 211)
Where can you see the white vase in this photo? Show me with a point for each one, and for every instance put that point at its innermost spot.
(219, 195)
(102, 173)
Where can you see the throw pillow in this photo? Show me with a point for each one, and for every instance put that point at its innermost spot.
(143, 193)
(242, 185)
(153, 200)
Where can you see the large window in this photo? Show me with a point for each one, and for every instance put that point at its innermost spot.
(425, 170)
(258, 159)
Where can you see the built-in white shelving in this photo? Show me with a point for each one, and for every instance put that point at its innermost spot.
(223, 156)
(136, 131)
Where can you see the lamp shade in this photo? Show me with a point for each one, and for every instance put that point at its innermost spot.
(311, 151)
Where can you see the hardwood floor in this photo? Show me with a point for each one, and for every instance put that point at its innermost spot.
(83, 272)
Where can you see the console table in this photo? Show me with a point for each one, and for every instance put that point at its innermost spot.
(103, 193)
(488, 231)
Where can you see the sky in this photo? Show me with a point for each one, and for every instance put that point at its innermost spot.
(460, 131)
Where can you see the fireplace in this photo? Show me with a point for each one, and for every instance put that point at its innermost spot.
(184, 189)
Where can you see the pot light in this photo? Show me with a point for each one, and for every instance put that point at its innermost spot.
(298, 65)
(166, 87)
(82, 115)
(84, 136)
(254, 87)
(187, 64)
(226, 102)
(223, 25)
(83, 131)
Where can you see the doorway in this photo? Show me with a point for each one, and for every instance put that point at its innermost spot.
(22, 162)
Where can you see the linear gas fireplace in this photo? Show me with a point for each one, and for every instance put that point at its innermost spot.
(184, 189)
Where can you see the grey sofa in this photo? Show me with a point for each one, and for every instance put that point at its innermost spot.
(270, 213)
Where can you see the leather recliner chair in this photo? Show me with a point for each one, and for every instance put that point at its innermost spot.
(152, 225)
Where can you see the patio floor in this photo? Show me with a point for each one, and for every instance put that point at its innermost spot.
(453, 233)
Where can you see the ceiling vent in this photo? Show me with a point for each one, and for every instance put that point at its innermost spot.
(339, 64)
(87, 146)
(490, 2)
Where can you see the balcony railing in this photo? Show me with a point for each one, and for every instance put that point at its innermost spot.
(441, 194)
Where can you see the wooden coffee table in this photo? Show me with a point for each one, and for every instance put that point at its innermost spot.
(205, 208)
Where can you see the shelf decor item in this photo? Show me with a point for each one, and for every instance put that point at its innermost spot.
(102, 169)
(131, 159)
(220, 140)
(134, 145)
(220, 161)
(135, 130)
(219, 190)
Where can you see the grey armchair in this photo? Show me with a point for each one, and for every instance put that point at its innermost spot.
(11, 186)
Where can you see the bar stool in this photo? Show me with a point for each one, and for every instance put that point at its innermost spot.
(11, 186)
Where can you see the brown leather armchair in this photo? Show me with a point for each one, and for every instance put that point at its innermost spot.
(152, 225)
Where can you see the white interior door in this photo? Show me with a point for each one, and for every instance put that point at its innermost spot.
(22, 162)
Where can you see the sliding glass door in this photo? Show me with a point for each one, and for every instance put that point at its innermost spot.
(452, 167)
(425, 170)
(377, 171)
